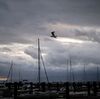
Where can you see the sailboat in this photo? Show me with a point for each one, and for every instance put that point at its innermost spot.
(10, 74)
(40, 58)
(40, 94)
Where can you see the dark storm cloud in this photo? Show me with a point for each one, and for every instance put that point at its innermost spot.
(92, 34)
(28, 18)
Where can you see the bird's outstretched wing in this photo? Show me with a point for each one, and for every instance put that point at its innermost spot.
(53, 34)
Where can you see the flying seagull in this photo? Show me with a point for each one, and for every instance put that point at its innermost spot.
(53, 34)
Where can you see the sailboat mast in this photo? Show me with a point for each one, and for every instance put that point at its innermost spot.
(97, 73)
(84, 75)
(71, 72)
(67, 70)
(11, 71)
(39, 60)
(71, 75)
(19, 76)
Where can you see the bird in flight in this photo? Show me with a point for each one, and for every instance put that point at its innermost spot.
(53, 34)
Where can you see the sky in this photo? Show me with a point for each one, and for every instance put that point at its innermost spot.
(77, 26)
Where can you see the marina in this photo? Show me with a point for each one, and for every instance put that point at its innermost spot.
(49, 49)
(49, 90)
(67, 90)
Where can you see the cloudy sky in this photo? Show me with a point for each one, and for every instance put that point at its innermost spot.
(75, 22)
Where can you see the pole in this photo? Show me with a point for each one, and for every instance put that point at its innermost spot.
(39, 61)
(97, 73)
(44, 68)
(67, 71)
(84, 75)
(11, 71)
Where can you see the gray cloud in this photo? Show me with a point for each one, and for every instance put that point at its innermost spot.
(5, 49)
(28, 18)
(23, 21)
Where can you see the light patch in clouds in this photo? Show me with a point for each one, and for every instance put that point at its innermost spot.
(3, 78)
(69, 40)
(64, 26)
(15, 51)
(81, 32)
